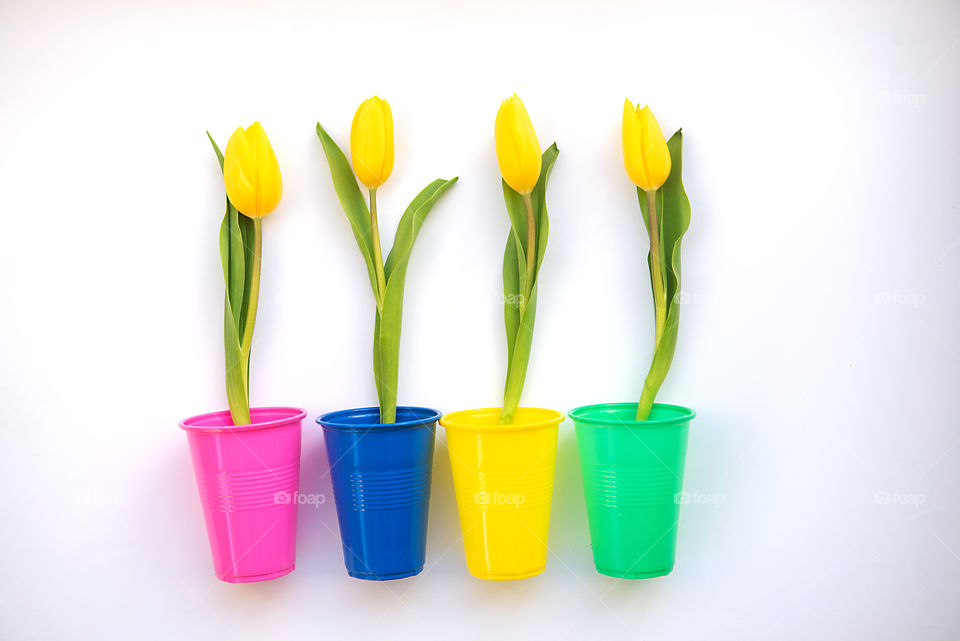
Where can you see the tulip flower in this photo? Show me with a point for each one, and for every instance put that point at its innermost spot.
(518, 150)
(371, 149)
(525, 171)
(251, 179)
(647, 158)
(518, 154)
(371, 142)
(251, 174)
(645, 154)
(647, 161)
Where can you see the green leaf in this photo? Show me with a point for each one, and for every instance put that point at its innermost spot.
(386, 364)
(351, 200)
(246, 243)
(235, 279)
(382, 396)
(517, 212)
(674, 208)
(236, 370)
(232, 254)
(217, 150)
(517, 368)
(519, 321)
(386, 341)
(410, 223)
(514, 273)
(540, 203)
(676, 219)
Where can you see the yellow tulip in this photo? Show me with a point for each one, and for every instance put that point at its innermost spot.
(518, 150)
(371, 142)
(645, 154)
(251, 174)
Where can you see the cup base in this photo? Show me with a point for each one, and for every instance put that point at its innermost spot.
(506, 577)
(385, 577)
(257, 577)
(617, 574)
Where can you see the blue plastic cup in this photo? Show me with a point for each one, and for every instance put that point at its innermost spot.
(381, 486)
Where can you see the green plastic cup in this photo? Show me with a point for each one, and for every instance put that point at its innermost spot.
(632, 480)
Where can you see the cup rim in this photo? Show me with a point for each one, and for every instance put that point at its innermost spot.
(329, 420)
(579, 415)
(451, 420)
(296, 414)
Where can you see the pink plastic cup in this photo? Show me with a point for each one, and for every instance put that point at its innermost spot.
(249, 476)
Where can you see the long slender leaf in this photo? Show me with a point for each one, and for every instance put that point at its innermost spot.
(519, 322)
(382, 396)
(351, 200)
(236, 371)
(540, 203)
(674, 208)
(386, 342)
(245, 240)
(517, 212)
(514, 272)
(235, 278)
(517, 372)
(677, 218)
(410, 223)
(644, 209)
(217, 150)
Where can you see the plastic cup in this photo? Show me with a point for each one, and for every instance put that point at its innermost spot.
(248, 477)
(381, 486)
(503, 479)
(632, 481)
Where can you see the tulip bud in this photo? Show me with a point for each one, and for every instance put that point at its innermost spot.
(645, 154)
(371, 142)
(251, 174)
(518, 150)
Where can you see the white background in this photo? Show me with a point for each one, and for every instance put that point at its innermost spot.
(819, 346)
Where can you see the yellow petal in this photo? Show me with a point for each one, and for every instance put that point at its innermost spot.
(371, 142)
(251, 174)
(646, 157)
(518, 150)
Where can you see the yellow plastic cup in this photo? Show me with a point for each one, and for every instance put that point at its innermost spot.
(503, 479)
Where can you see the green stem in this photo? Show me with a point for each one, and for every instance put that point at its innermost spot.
(247, 335)
(656, 268)
(377, 254)
(515, 376)
(531, 251)
(646, 400)
(649, 392)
